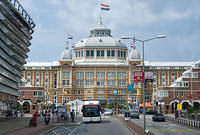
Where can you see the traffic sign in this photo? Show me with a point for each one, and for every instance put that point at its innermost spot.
(130, 87)
(138, 76)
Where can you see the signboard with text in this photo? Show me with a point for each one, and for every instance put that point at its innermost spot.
(138, 76)
(130, 87)
(148, 76)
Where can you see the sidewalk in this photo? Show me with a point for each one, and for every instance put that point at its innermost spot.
(134, 128)
(20, 126)
(17, 123)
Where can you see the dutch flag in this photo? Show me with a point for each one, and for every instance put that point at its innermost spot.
(132, 44)
(73, 45)
(69, 36)
(105, 7)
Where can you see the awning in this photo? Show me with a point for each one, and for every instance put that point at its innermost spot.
(147, 105)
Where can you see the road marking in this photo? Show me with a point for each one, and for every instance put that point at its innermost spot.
(173, 130)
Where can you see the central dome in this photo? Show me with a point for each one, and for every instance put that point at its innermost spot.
(100, 36)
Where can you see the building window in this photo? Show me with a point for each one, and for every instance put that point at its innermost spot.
(111, 74)
(111, 83)
(121, 82)
(92, 53)
(79, 83)
(100, 91)
(87, 53)
(118, 53)
(108, 53)
(65, 74)
(163, 79)
(89, 82)
(121, 74)
(135, 99)
(65, 99)
(28, 77)
(37, 94)
(100, 74)
(100, 82)
(177, 94)
(78, 92)
(65, 82)
(163, 93)
(79, 74)
(81, 53)
(89, 74)
(102, 53)
(182, 93)
(89, 92)
(89, 98)
(100, 97)
(124, 54)
(98, 53)
(173, 78)
(113, 53)
(121, 53)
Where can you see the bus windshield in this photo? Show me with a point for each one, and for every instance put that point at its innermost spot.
(91, 111)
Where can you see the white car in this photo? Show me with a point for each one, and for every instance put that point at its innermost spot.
(108, 112)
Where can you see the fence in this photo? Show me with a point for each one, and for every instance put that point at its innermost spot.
(183, 121)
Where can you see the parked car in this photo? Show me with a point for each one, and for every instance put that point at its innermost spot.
(150, 112)
(158, 117)
(108, 112)
(134, 114)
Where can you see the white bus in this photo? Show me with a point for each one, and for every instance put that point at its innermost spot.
(91, 111)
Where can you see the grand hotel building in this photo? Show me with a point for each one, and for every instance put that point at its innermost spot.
(99, 65)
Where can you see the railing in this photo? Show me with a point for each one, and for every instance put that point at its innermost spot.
(22, 11)
(183, 121)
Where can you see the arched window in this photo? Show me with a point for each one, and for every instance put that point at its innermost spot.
(81, 53)
(102, 53)
(87, 53)
(92, 53)
(108, 53)
(124, 54)
(113, 53)
(98, 53)
(121, 53)
(118, 53)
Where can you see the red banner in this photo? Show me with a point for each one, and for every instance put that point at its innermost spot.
(138, 77)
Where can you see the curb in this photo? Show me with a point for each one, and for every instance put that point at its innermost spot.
(126, 126)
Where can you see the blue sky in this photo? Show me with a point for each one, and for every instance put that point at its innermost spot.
(179, 20)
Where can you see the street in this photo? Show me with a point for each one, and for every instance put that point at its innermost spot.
(165, 128)
(108, 126)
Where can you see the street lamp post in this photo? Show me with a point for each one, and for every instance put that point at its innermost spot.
(134, 39)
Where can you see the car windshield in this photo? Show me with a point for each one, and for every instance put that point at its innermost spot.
(109, 110)
(134, 111)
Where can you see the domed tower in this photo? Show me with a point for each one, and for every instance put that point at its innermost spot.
(66, 56)
(134, 56)
(100, 48)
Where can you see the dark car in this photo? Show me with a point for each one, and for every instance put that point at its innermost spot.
(150, 112)
(158, 117)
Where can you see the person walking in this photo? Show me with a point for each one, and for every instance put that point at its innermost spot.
(72, 115)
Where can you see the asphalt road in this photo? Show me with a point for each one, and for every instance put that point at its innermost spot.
(108, 126)
(165, 128)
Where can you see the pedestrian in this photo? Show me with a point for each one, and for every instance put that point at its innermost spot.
(176, 114)
(72, 115)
